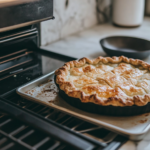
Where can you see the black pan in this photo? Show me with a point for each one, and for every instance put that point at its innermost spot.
(103, 110)
(128, 46)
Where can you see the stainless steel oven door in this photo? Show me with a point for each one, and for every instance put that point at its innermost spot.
(23, 14)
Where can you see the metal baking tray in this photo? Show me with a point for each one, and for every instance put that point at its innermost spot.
(44, 91)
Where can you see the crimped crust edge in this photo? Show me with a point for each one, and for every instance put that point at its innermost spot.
(69, 89)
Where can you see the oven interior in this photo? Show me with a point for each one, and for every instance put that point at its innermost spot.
(28, 125)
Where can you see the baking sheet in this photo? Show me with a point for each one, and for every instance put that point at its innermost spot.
(43, 90)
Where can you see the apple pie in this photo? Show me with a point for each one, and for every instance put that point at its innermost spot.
(116, 81)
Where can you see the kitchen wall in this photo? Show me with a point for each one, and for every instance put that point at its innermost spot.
(73, 16)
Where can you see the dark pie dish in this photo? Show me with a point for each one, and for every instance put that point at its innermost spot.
(103, 110)
(128, 46)
(108, 86)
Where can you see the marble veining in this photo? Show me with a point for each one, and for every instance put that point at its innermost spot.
(71, 16)
(104, 10)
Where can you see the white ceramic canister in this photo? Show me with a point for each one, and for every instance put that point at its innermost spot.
(128, 13)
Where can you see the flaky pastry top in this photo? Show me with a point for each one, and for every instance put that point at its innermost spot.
(117, 81)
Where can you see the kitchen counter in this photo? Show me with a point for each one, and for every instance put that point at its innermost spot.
(86, 44)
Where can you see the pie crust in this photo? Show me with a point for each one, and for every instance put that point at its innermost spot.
(116, 81)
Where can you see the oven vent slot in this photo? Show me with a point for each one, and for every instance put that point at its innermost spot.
(16, 61)
(18, 67)
(13, 54)
(18, 33)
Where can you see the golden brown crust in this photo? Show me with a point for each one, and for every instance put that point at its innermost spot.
(112, 95)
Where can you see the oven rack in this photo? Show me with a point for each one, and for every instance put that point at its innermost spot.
(15, 135)
(98, 136)
(67, 130)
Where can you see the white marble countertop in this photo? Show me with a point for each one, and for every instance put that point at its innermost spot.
(86, 44)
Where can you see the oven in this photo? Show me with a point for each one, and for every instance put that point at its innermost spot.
(24, 124)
